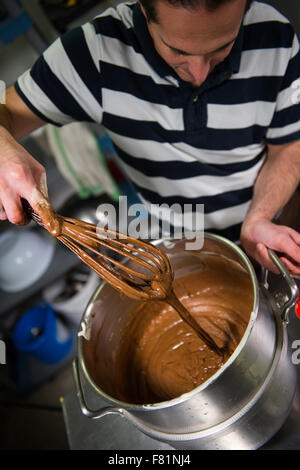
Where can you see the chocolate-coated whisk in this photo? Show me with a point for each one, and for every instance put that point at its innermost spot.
(150, 278)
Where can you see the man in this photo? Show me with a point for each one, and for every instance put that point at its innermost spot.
(199, 99)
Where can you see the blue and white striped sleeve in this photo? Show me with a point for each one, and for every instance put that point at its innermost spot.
(285, 125)
(64, 85)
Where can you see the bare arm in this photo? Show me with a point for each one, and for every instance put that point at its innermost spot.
(275, 184)
(20, 174)
(16, 117)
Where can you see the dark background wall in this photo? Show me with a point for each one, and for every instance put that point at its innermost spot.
(291, 9)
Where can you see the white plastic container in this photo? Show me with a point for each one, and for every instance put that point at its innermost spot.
(25, 255)
(73, 307)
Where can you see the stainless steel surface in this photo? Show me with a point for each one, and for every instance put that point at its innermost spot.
(240, 407)
(109, 433)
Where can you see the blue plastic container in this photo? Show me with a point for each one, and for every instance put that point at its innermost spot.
(40, 333)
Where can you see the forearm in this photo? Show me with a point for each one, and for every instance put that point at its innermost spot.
(4, 119)
(7, 140)
(276, 182)
(16, 118)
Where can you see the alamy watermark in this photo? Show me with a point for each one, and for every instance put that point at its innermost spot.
(296, 353)
(296, 94)
(2, 352)
(153, 222)
(2, 92)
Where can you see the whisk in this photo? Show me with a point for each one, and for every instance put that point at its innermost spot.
(149, 276)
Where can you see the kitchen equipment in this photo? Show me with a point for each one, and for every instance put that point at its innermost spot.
(240, 407)
(42, 334)
(25, 256)
(70, 294)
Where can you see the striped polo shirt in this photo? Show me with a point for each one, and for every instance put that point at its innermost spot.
(177, 144)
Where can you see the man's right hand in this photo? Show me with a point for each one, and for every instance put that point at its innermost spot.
(21, 176)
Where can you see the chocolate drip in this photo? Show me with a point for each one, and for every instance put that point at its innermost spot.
(173, 300)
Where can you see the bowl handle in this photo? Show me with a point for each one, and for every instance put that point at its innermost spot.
(97, 414)
(288, 302)
(93, 414)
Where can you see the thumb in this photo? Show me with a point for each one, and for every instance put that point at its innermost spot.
(43, 185)
(42, 206)
(264, 258)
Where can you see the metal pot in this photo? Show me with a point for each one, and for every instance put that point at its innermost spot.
(241, 406)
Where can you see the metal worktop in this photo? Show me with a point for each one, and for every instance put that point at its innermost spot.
(115, 433)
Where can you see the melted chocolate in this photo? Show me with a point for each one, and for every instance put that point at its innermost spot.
(160, 357)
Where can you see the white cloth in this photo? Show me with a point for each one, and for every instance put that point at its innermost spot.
(80, 160)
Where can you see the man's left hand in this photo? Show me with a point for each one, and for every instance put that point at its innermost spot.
(258, 234)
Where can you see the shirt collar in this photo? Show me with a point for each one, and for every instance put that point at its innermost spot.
(157, 62)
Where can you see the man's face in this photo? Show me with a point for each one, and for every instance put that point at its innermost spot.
(193, 40)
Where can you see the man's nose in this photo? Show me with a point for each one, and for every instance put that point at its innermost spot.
(199, 68)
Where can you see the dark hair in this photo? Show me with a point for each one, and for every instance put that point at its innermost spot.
(210, 5)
